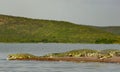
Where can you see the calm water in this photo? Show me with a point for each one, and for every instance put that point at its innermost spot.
(43, 66)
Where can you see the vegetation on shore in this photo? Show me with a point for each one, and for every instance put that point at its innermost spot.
(20, 29)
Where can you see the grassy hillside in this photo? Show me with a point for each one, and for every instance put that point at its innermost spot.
(20, 29)
(112, 29)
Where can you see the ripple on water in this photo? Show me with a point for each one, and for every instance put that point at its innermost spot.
(43, 66)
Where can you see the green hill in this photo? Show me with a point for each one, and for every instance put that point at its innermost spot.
(112, 29)
(20, 29)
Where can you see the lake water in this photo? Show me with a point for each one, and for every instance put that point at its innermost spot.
(44, 66)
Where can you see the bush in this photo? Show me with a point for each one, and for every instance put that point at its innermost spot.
(106, 41)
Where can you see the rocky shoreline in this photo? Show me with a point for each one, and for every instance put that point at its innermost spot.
(81, 55)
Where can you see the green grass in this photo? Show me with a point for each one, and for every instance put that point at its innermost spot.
(20, 29)
(112, 29)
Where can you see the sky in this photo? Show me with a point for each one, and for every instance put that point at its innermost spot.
(89, 12)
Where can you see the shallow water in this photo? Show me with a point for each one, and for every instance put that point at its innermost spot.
(44, 66)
